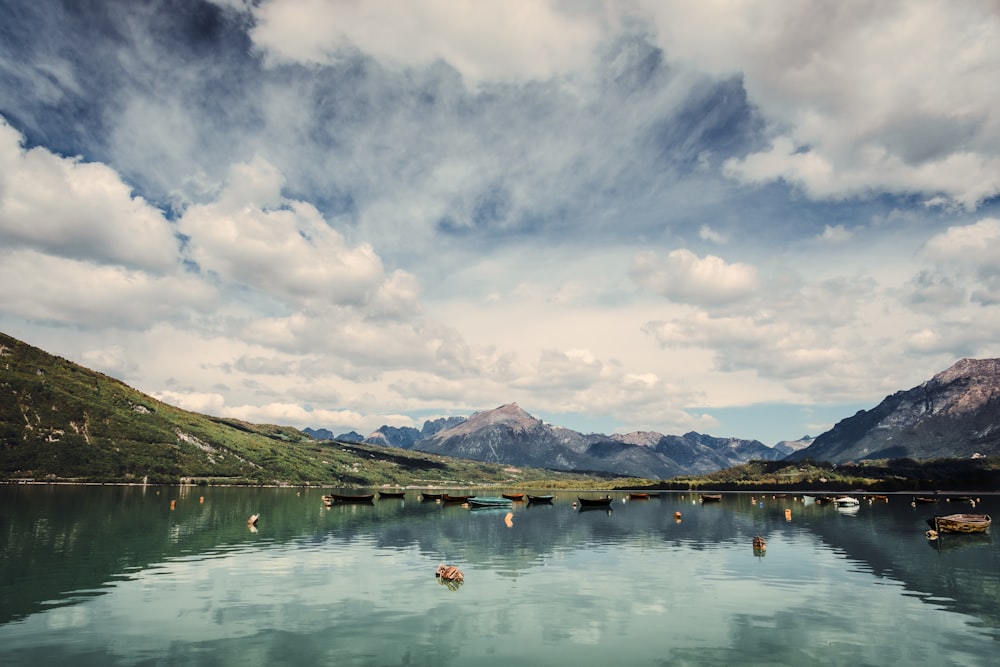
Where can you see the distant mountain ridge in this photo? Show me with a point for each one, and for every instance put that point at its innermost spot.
(509, 435)
(954, 414)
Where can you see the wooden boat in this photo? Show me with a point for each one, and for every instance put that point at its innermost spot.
(431, 496)
(961, 523)
(711, 497)
(451, 500)
(489, 501)
(924, 499)
(595, 502)
(638, 496)
(392, 494)
(513, 496)
(539, 500)
(846, 501)
(344, 498)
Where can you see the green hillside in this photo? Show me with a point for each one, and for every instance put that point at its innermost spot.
(62, 422)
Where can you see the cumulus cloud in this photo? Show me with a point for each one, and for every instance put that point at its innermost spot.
(685, 277)
(75, 209)
(481, 40)
(253, 236)
(851, 113)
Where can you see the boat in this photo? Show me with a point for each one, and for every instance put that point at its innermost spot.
(489, 501)
(540, 500)
(344, 498)
(392, 494)
(451, 500)
(595, 502)
(638, 496)
(846, 501)
(431, 496)
(924, 499)
(711, 497)
(960, 523)
(513, 496)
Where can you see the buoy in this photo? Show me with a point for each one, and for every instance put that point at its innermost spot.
(201, 499)
(449, 572)
(677, 515)
(788, 514)
(173, 503)
(252, 521)
(509, 519)
(931, 534)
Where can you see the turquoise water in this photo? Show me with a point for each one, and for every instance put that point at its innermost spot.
(113, 576)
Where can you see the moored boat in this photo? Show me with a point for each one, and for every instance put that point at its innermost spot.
(595, 502)
(345, 498)
(392, 494)
(961, 523)
(489, 501)
(711, 497)
(638, 496)
(846, 501)
(431, 496)
(925, 499)
(539, 500)
(513, 496)
(450, 499)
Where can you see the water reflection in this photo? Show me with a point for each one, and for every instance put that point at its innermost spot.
(97, 571)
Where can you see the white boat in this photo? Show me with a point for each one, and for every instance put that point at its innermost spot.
(846, 501)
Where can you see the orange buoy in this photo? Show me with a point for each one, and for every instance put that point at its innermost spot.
(173, 503)
(788, 515)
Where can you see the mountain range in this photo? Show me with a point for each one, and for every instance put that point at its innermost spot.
(956, 414)
(61, 420)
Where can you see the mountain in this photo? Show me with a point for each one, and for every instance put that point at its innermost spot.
(511, 436)
(954, 414)
(786, 447)
(62, 422)
(407, 436)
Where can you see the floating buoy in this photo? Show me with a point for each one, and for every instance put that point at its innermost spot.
(931, 534)
(509, 519)
(201, 499)
(252, 521)
(173, 503)
(449, 572)
(788, 514)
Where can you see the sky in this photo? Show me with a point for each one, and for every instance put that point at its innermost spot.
(746, 219)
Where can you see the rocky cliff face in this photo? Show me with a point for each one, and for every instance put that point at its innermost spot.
(954, 414)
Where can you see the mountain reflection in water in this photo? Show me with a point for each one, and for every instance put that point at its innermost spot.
(108, 575)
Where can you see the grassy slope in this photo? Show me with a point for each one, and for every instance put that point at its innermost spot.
(61, 421)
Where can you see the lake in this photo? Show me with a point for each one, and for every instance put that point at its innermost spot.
(113, 575)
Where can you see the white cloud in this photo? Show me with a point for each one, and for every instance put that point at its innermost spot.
(482, 40)
(861, 97)
(976, 245)
(835, 234)
(683, 276)
(253, 236)
(706, 233)
(77, 209)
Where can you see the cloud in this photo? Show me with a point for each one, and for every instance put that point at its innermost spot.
(534, 40)
(75, 209)
(860, 97)
(685, 277)
(255, 237)
(835, 234)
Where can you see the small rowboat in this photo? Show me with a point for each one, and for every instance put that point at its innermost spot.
(925, 499)
(431, 496)
(638, 496)
(392, 494)
(540, 500)
(341, 498)
(711, 497)
(846, 501)
(961, 523)
(489, 501)
(595, 502)
(446, 498)
(513, 496)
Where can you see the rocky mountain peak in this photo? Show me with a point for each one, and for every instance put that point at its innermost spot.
(510, 415)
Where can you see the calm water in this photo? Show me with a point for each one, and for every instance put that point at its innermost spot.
(113, 576)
